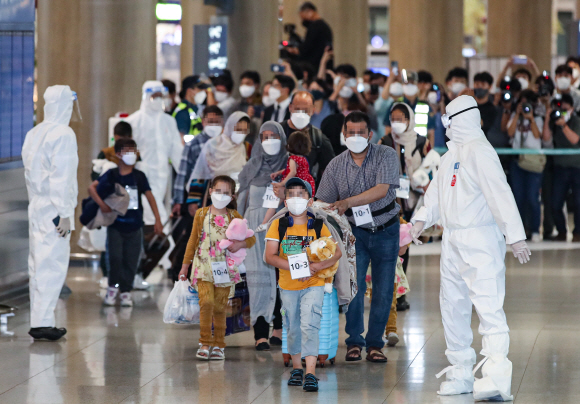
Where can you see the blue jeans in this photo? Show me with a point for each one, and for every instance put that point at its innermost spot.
(526, 187)
(564, 179)
(301, 314)
(381, 249)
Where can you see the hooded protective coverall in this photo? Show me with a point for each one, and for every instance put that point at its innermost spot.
(50, 162)
(477, 209)
(158, 141)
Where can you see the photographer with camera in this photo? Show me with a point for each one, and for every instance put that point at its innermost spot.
(526, 172)
(563, 129)
(482, 83)
(318, 36)
(564, 76)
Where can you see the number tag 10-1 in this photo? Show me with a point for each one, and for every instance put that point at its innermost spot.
(220, 272)
(299, 266)
(362, 215)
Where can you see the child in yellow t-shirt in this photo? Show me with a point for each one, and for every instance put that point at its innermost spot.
(299, 295)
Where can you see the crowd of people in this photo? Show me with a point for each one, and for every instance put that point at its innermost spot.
(321, 142)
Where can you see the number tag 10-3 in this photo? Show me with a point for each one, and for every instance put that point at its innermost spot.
(362, 215)
(220, 272)
(299, 266)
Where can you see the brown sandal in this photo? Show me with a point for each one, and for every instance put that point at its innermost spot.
(353, 353)
(375, 355)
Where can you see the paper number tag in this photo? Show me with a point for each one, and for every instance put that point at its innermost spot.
(362, 215)
(299, 266)
(220, 272)
(270, 198)
(133, 197)
(404, 187)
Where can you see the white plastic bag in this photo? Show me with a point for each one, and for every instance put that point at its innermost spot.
(93, 240)
(182, 306)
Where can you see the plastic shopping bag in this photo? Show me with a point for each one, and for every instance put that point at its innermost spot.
(182, 306)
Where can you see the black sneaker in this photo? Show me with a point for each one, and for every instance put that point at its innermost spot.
(275, 341)
(263, 346)
(47, 333)
(296, 377)
(310, 382)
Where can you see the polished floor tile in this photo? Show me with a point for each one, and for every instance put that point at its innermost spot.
(128, 355)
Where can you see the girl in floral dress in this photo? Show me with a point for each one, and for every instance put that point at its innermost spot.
(299, 146)
(211, 271)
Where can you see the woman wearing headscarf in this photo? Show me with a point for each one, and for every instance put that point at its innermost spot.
(268, 155)
(225, 154)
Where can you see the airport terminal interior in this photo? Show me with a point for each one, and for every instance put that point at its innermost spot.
(431, 143)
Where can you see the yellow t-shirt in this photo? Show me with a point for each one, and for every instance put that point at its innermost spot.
(295, 241)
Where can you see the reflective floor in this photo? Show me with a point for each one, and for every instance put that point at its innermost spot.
(118, 355)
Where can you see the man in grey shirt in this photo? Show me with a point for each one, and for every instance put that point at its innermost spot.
(361, 183)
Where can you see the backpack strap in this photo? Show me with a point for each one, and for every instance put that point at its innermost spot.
(318, 223)
(282, 227)
(316, 137)
(420, 145)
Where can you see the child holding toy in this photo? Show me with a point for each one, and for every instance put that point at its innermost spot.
(210, 270)
(301, 298)
(299, 146)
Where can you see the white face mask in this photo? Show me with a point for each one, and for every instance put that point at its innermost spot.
(200, 97)
(271, 146)
(274, 93)
(366, 87)
(524, 83)
(267, 101)
(220, 201)
(337, 80)
(129, 158)
(156, 104)
(167, 104)
(342, 139)
(356, 144)
(563, 83)
(247, 91)
(345, 92)
(457, 87)
(399, 127)
(396, 89)
(432, 97)
(300, 119)
(297, 206)
(238, 137)
(213, 130)
(410, 90)
(220, 96)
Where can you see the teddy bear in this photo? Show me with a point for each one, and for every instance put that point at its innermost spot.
(405, 235)
(322, 250)
(237, 231)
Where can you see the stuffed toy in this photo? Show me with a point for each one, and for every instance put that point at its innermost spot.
(322, 250)
(236, 231)
(404, 235)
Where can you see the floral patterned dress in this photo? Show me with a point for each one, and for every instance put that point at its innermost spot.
(213, 231)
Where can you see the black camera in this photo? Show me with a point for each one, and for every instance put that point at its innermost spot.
(544, 90)
(527, 107)
(555, 115)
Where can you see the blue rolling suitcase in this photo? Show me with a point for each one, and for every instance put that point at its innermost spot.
(328, 333)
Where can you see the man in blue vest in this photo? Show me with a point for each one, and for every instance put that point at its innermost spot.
(185, 114)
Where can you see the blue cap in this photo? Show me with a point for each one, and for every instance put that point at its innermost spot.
(301, 182)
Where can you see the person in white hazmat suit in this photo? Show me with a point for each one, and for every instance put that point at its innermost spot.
(477, 209)
(50, 160)
(159, 142)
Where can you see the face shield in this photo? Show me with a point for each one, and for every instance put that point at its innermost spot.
(156, 98)
(76, 114)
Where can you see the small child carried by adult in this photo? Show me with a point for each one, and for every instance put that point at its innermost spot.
(210, 271)
(299, 146)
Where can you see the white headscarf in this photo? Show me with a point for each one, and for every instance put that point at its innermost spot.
(220, 155)
(466, 126)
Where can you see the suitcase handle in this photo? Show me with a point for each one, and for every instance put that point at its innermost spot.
(154, 239)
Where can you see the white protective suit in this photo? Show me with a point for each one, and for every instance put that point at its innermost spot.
(50, 162)
(159, 142)
(471, 197)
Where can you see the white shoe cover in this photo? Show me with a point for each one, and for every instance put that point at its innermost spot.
(459, 374)
(497, 370)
